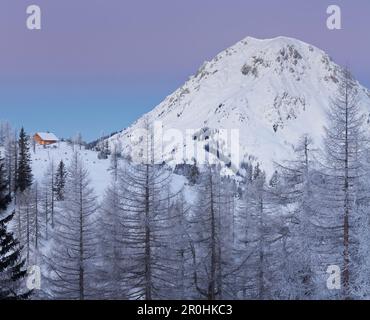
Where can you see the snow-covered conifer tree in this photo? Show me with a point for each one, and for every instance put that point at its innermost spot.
(214, 267)
(70, 262)
(12, 272)
(297, 195)
(342, 193)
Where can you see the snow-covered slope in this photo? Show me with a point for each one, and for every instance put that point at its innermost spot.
(272, 90)
(98, 169)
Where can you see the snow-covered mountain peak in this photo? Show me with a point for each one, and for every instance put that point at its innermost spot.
(257, 59)
(272, 90)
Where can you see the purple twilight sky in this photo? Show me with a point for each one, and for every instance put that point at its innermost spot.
(97, 65)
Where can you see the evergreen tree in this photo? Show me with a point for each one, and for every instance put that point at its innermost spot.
(11, 159)
(12, 274)
(4, 194)
(60, 181)
(24, 171)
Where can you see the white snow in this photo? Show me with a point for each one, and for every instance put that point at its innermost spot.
(287, 85)
(47, 136)
(98, 169)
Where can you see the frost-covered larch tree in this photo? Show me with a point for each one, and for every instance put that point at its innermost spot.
(144, 199)
(70, 261)
(298, 196)
(342, 192)
(214, 267)
(112, 260)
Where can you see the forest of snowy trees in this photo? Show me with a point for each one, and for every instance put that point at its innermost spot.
(232, 237)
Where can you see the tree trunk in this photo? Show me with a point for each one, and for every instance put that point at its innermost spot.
(212, 283)
(148, 269)
(261, 275)
(81, 271)
(346, 274)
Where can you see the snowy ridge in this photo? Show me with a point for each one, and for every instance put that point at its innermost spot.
(273, 90)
